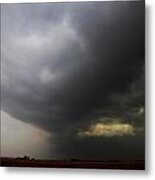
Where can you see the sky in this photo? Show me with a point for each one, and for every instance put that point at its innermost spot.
(73, 80)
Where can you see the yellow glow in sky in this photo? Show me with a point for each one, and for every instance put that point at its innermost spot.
(109, 130)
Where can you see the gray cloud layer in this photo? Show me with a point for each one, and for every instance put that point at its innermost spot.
(63, 62)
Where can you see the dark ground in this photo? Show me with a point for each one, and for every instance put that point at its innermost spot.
(73, 163)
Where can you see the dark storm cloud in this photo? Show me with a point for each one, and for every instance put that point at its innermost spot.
(126, 104)
(63, 62)
(123, 108)
(117, 148)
